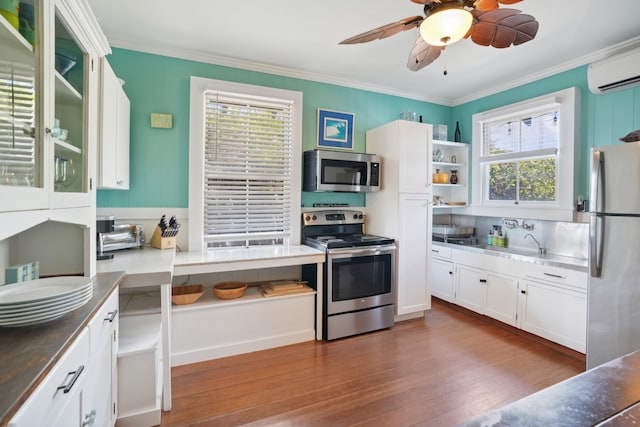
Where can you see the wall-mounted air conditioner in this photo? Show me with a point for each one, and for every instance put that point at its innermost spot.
(620, 71)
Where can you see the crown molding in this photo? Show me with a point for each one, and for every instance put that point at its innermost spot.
(224, 61)
(566, 66)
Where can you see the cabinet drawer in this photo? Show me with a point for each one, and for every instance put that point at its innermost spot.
(557, 275)
(438, 251)
(101, 324)
(59, 388)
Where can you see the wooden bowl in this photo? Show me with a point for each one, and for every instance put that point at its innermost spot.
(186, 294)
(229, 290)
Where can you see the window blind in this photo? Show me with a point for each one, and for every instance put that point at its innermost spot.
(247, 169)
(17, 122)
(532, 135)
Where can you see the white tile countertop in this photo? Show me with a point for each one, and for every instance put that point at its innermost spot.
(220, 260)
(150, 266)
(143, 267)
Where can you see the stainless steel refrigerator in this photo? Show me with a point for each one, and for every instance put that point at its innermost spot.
(613, 328)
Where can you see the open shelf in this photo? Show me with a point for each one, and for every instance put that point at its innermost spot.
(16, 48)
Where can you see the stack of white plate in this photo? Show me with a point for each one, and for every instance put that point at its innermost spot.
(42, 300)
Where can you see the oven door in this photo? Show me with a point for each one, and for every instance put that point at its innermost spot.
(360, 278)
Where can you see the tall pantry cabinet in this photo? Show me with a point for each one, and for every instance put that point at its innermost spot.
(402, 209)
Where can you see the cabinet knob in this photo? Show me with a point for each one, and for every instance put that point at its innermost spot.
(120, 182)
(451, 272)
(523, 292)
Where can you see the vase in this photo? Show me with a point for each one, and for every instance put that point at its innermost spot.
(453, 179)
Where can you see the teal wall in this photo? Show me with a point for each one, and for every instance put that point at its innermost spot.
(160, 157)
(603, 119)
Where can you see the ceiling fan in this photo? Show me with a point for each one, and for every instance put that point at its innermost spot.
(447, 21)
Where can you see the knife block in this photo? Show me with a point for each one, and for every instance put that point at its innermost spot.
(159, 242)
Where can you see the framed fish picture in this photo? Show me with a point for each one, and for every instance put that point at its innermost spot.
(335, 129)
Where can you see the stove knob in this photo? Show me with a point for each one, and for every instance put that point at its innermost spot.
(314, 217)
(307, 218)
(355, 216)
(360, 216)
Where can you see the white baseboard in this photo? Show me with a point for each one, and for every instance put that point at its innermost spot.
(232, 349)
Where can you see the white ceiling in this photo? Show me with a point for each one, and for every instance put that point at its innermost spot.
(299, 38)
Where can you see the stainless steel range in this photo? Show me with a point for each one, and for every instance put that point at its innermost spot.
(359, 273)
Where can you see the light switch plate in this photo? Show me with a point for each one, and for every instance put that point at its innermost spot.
(164, 121)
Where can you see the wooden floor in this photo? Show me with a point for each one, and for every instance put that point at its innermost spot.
(437, 371)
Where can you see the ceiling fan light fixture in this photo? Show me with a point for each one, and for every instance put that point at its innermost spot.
(446, 26)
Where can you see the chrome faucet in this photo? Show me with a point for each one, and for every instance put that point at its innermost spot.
(541, 250)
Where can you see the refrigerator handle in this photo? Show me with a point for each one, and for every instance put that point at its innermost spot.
(596, 180)
(596, 239)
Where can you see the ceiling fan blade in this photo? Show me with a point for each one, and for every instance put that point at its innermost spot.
(423, 54)
(502, 28)
(385, 31)
(425, 1)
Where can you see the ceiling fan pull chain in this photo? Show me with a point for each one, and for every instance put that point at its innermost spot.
(444, 60)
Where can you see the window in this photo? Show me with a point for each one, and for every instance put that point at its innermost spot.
(244, 165)
(523, 157)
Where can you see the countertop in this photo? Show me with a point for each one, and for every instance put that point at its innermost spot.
(144, 267)
(578, 264)
(29, 352)
(149, 266)
(608, 394)
(219, 260)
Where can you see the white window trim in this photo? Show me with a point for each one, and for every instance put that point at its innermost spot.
(196, 147)
(568, 156)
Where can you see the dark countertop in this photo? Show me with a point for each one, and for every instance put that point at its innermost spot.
(608, 394)
(29, 352)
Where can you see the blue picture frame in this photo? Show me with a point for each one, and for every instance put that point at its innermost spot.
(335, 129)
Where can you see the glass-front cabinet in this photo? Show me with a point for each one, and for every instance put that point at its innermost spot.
(47, 77)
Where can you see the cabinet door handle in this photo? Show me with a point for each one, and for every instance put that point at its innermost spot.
(483, 280)
(554, 275)
(435, 251)
(111, 316)
(523, 292)
(67, 387)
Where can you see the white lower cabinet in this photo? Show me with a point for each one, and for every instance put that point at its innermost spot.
(78, 391)
(442, 279)
(556, 313)
(57, 400)
(489, 293)
(547, 301)
(99, 408)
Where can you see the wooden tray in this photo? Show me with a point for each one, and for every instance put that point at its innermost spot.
(273, 289)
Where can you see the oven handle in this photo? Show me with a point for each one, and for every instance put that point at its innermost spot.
(362, 251)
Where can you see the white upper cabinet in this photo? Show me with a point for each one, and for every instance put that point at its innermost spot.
(48, 108)
(405, 148)
(113, 153)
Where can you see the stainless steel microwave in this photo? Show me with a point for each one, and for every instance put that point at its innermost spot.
(341, 171)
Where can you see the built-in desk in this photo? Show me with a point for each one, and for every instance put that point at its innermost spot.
(155, 267)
